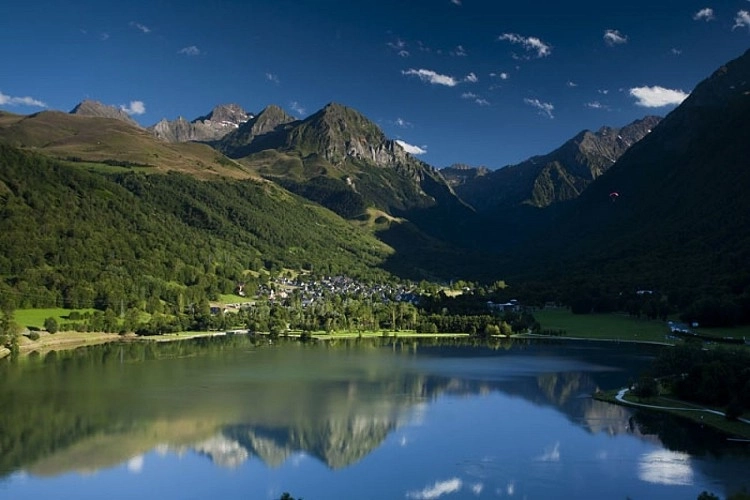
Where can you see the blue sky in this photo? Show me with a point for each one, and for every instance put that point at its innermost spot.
(473, 81)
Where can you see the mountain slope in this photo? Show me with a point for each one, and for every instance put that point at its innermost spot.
(80, 137)
(95, 108)
(341, 159)
(558, 176)
(683, 213)
(83, 238)
(219, 122)
(258, 133)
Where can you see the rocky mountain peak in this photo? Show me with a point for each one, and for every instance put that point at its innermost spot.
(342, 133)
(262, 131)
(90, 107)
(222, 120)
(558, 176)
(231, 114)
(461, 173)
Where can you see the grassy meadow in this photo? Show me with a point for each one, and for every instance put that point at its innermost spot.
(602, 326)
(34, 318)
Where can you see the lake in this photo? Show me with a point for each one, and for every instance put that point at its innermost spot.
(237, 418)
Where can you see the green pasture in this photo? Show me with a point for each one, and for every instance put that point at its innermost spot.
(228, 298)
(737, 332)
(602, 326)
(34, 318)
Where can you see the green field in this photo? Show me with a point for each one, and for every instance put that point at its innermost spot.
(229, 298)
(34, 318)
(602, 326)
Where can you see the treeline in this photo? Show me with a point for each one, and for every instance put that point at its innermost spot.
(481, 325)
(722, 305)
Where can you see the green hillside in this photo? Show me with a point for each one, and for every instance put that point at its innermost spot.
(98, 139)
(79, 237)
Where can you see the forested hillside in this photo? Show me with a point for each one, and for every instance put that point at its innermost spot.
(680, 223)
(109, 237)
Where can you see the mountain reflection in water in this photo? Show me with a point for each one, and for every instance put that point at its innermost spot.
(233, 401)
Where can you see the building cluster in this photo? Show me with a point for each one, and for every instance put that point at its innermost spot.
(309, 291)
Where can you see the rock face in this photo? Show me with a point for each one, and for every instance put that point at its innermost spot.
(339, 158)
(558, 176)
(338, 132)
(219, 122)
(255, 134)
(96, 108)
(460, 173)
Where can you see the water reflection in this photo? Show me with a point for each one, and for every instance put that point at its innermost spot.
(666, 467)
(233, 402)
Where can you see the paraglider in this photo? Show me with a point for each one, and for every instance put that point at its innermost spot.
(613, 196)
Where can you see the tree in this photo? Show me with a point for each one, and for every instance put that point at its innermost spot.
(51, 325)
(646, 388)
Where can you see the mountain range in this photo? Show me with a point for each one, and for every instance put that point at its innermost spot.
(558, 176)
(678, 219)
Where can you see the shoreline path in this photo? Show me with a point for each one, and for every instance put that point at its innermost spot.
(621, 398)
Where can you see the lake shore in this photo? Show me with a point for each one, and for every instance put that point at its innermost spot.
(705, 416)
(72, 340)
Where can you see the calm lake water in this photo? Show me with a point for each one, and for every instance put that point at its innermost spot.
(229, 419)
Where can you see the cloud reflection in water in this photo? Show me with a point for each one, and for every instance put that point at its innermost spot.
(666, 467)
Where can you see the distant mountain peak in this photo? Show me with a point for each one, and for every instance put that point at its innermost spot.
(89, 107)
(222, 119)
(226, 113)
(558, 176)
(255, 134)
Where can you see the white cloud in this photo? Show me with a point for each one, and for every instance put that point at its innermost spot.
(134, 108)
(706, 14)
(477, 489)
(532, 44)
(471, 78)
(297, 108)
(656, 97)
(429, 76)
(742, 20)
(459, 51)
(272, 77)
(477, 99)
(6, 100)
(504, 76)
(140, 26)
(544, 108)
(400, 122)
(456, 2)
(596, 105)
(571, 84)
(614, 37)
(400, 47)
(191, 50)
(437, 490)
(411, 149)
(676, 52)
